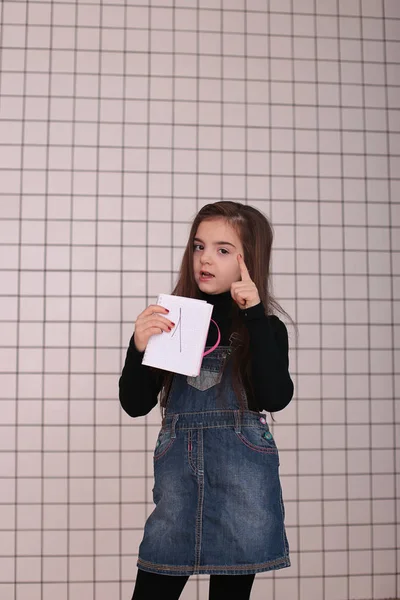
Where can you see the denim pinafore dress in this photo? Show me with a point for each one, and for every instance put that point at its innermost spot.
(217, 494)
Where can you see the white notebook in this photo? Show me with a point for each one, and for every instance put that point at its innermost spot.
(181, 350)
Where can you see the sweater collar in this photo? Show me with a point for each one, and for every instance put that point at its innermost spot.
(220, 301)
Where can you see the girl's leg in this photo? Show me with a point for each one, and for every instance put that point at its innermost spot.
(152, 586)
(226, 587)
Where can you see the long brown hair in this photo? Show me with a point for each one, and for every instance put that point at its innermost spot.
(256, 235)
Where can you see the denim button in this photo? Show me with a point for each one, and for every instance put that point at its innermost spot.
(267, 435)
(263, 420)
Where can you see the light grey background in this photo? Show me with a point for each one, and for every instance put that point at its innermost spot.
(118, 121)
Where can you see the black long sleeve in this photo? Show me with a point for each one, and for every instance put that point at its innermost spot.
(139, 385)
(269, 351)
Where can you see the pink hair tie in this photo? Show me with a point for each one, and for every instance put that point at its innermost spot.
(218, 340)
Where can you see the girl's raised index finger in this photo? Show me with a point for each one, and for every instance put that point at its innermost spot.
(244, 273)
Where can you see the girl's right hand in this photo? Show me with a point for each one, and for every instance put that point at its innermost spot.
(150, 322)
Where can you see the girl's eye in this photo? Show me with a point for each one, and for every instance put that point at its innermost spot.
(197, 247)
(224, 251)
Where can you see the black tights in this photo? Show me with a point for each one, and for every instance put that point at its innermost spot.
(151, 586)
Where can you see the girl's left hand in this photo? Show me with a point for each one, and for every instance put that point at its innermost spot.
(244, 292)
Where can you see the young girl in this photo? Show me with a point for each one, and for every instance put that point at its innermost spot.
(217, 494)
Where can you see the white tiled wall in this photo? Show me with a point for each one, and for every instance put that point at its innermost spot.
(118, 121)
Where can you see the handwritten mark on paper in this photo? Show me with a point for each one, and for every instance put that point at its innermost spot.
(179, 325)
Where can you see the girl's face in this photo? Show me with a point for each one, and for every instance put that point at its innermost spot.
(215, 263)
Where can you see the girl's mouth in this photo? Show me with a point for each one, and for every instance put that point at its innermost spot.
(206, 276)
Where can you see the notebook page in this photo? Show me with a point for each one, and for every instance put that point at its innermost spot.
(181, 350)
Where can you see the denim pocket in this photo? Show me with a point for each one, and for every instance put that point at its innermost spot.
(258, 438)
(163, 444)
(205, 380)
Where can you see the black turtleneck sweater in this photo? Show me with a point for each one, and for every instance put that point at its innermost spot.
(273, 388)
